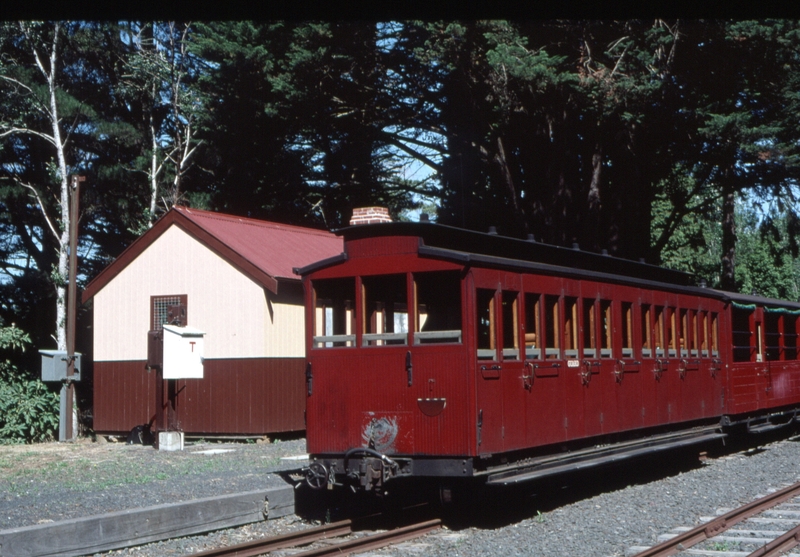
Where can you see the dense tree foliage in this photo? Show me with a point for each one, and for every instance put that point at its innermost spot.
(639, 137)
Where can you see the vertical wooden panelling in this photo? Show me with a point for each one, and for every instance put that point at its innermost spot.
(124, 396)
(252, 396)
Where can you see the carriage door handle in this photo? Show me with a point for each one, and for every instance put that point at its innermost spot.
(527, 380)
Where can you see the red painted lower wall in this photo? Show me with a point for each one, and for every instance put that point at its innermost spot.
(250, 396)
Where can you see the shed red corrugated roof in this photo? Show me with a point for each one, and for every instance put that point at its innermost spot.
(274, 248)
(265, 251)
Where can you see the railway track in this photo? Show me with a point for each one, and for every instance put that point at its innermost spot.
(311, 536)
(760, 531)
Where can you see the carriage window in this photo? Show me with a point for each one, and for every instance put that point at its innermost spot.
(714, 331)
(487, 328)
(571, 327)
(606, 330)
(684, 334)
(672, 332)
(510, 326)
(552, 330)
(627, 330)
(532, 326)
(691, 333)
(790, 336)
(702, 333)
(647, 347)
(589, 329)
(743, 346)
(759, 342)
(659, 328)
(438, 303)
(773, 336)
(334, 314)
(385, 317)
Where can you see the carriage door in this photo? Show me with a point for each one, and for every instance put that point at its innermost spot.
(501, 423)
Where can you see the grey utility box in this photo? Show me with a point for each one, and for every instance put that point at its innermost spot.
(54, 365)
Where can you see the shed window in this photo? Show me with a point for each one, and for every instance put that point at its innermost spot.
(159, 309)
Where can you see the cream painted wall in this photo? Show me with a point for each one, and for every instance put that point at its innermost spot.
(228, 306)
(285, 331)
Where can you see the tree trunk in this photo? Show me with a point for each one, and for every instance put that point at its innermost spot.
(63, 238)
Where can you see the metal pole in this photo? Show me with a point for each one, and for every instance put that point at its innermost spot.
(72, 302)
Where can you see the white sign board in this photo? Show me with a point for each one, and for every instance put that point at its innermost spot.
(183, 353)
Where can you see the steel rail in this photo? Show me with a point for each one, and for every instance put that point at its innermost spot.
(779, 545)
(710, 529)
(375, 541)
(292, 539)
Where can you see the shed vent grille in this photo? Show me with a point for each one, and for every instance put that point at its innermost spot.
(158, 309)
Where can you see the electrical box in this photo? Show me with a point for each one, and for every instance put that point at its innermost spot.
(183, 353)
(54, 365)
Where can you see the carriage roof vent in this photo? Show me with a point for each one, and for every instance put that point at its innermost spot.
(370, 215)
(493, 230)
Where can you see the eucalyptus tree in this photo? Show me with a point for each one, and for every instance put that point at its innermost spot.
(58, 117)
(159, 77)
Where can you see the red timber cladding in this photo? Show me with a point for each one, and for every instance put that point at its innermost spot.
(353, 387)
(236, 397)
(124, 396)
(382, 245)
(244, 396)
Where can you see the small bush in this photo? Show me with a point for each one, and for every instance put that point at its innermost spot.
(28, 409)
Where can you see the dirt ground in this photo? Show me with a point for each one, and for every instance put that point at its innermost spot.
(54, 481)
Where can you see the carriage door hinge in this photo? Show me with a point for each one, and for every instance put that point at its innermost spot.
(309, 378)
(409, 368)
(480, 425)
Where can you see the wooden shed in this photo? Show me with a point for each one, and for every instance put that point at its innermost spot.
(234, 275)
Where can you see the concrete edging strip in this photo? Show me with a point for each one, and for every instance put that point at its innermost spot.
(93, 534)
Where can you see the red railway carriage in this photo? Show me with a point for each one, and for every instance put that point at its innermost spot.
(439, 352)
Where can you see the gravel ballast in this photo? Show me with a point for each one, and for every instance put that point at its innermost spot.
(59, 481)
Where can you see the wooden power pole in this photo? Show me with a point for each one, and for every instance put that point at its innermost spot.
(72, 300)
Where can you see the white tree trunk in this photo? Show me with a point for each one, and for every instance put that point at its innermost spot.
(62, 231)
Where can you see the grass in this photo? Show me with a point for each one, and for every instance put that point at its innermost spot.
(93, 467)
